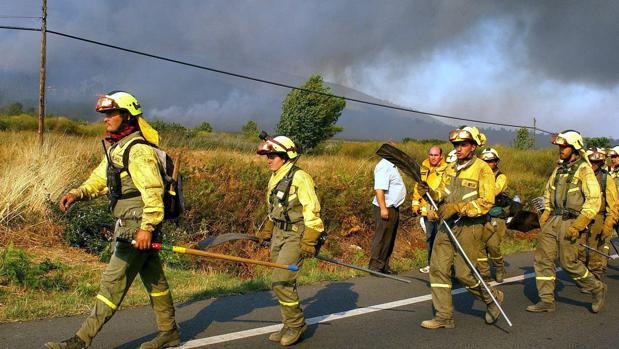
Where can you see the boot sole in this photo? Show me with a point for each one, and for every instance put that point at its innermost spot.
(298, 338)
(437, 327)
(541, 310)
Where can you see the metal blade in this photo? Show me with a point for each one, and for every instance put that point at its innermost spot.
(223, 238)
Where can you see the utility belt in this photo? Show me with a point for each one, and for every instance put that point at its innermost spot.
(286, 226)
(565, 213)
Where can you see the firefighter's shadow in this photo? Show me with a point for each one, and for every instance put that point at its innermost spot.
(334, 298)
(221, 310)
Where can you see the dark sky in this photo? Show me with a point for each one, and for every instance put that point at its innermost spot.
(510, 61)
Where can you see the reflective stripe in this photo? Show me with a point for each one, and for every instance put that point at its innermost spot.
(547, 278)
(447, 191)
(159, 294)
(466, 196)
(476, 207)
(416, 202)
(153, 209)
(482, 259)
(606, 247)
(584, 276)
(573, 189)
(499, 257)
(178, 249)
(124, 174)
(289, 304)
(106, 301)
(440, 285)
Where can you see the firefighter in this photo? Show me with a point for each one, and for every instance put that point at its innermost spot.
(432, 170)
(494, 231)
(572, 199)
(467, 194)
(136, 195)
(293, 228)
(602, 227)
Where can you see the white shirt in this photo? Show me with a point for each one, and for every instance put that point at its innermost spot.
(388, 178)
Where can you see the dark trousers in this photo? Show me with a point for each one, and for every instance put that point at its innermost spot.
(384, 238)
(431, 230)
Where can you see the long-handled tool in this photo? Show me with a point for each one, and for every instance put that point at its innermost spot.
(223, 238)
(191, 251)
(409, 166)
(596, 251)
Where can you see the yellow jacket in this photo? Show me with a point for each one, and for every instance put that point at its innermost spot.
(500, 184)
(583, 192)
(612, 204)
(303, 190)
(432, 176)
(144, 168)
(471, 184)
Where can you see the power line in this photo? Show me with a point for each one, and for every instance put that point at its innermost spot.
(28, 17)
(247, 77)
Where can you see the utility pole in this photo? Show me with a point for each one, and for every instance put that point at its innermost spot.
(534, 131)
(42, 73)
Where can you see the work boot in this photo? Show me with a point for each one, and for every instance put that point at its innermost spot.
(277, 336)
(292, 335)
(599, 296)
(500, 275)
(438, 323)
(493, 312)
(74, 342)
(541, 307)
(165, 339)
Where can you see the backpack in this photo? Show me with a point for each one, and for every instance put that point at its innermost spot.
(173, 198)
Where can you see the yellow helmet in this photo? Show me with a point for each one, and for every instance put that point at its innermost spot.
(451, 157)
(119, 100)
(568, 138)
(278, 145)
(490, 154)
(467, 133)
(596, 154)
(614, 151)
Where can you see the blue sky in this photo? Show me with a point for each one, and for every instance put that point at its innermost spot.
(503, 61)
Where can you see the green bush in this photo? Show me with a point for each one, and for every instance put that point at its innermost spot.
(89, 225)
(17, 269)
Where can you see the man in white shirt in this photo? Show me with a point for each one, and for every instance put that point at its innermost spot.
(390, 195)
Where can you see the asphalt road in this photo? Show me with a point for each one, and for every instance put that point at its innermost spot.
(365, 312)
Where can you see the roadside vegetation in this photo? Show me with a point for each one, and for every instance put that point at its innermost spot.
(50, 263)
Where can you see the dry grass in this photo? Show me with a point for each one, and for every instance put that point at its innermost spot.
(32, 177)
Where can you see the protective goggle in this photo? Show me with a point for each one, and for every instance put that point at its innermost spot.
(489, 157)
(268, 147)
(105, 103)
(459, 135)
(558, 140)
(596, 156)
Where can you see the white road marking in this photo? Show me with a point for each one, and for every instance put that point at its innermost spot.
(197, 343)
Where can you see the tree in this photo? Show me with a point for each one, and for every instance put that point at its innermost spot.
(204, 127)
(600, 142)
(14, 109)
(523, 140)
(309, 118)
(250, 129)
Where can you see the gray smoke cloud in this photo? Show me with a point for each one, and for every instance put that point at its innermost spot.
(504, 61)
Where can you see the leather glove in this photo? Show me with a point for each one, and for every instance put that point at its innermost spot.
(416, 210)
(544, 218)
(448, 210)
(308, 242)
(579, 224)
(432, 215)
(265, 232)
(608, 230)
